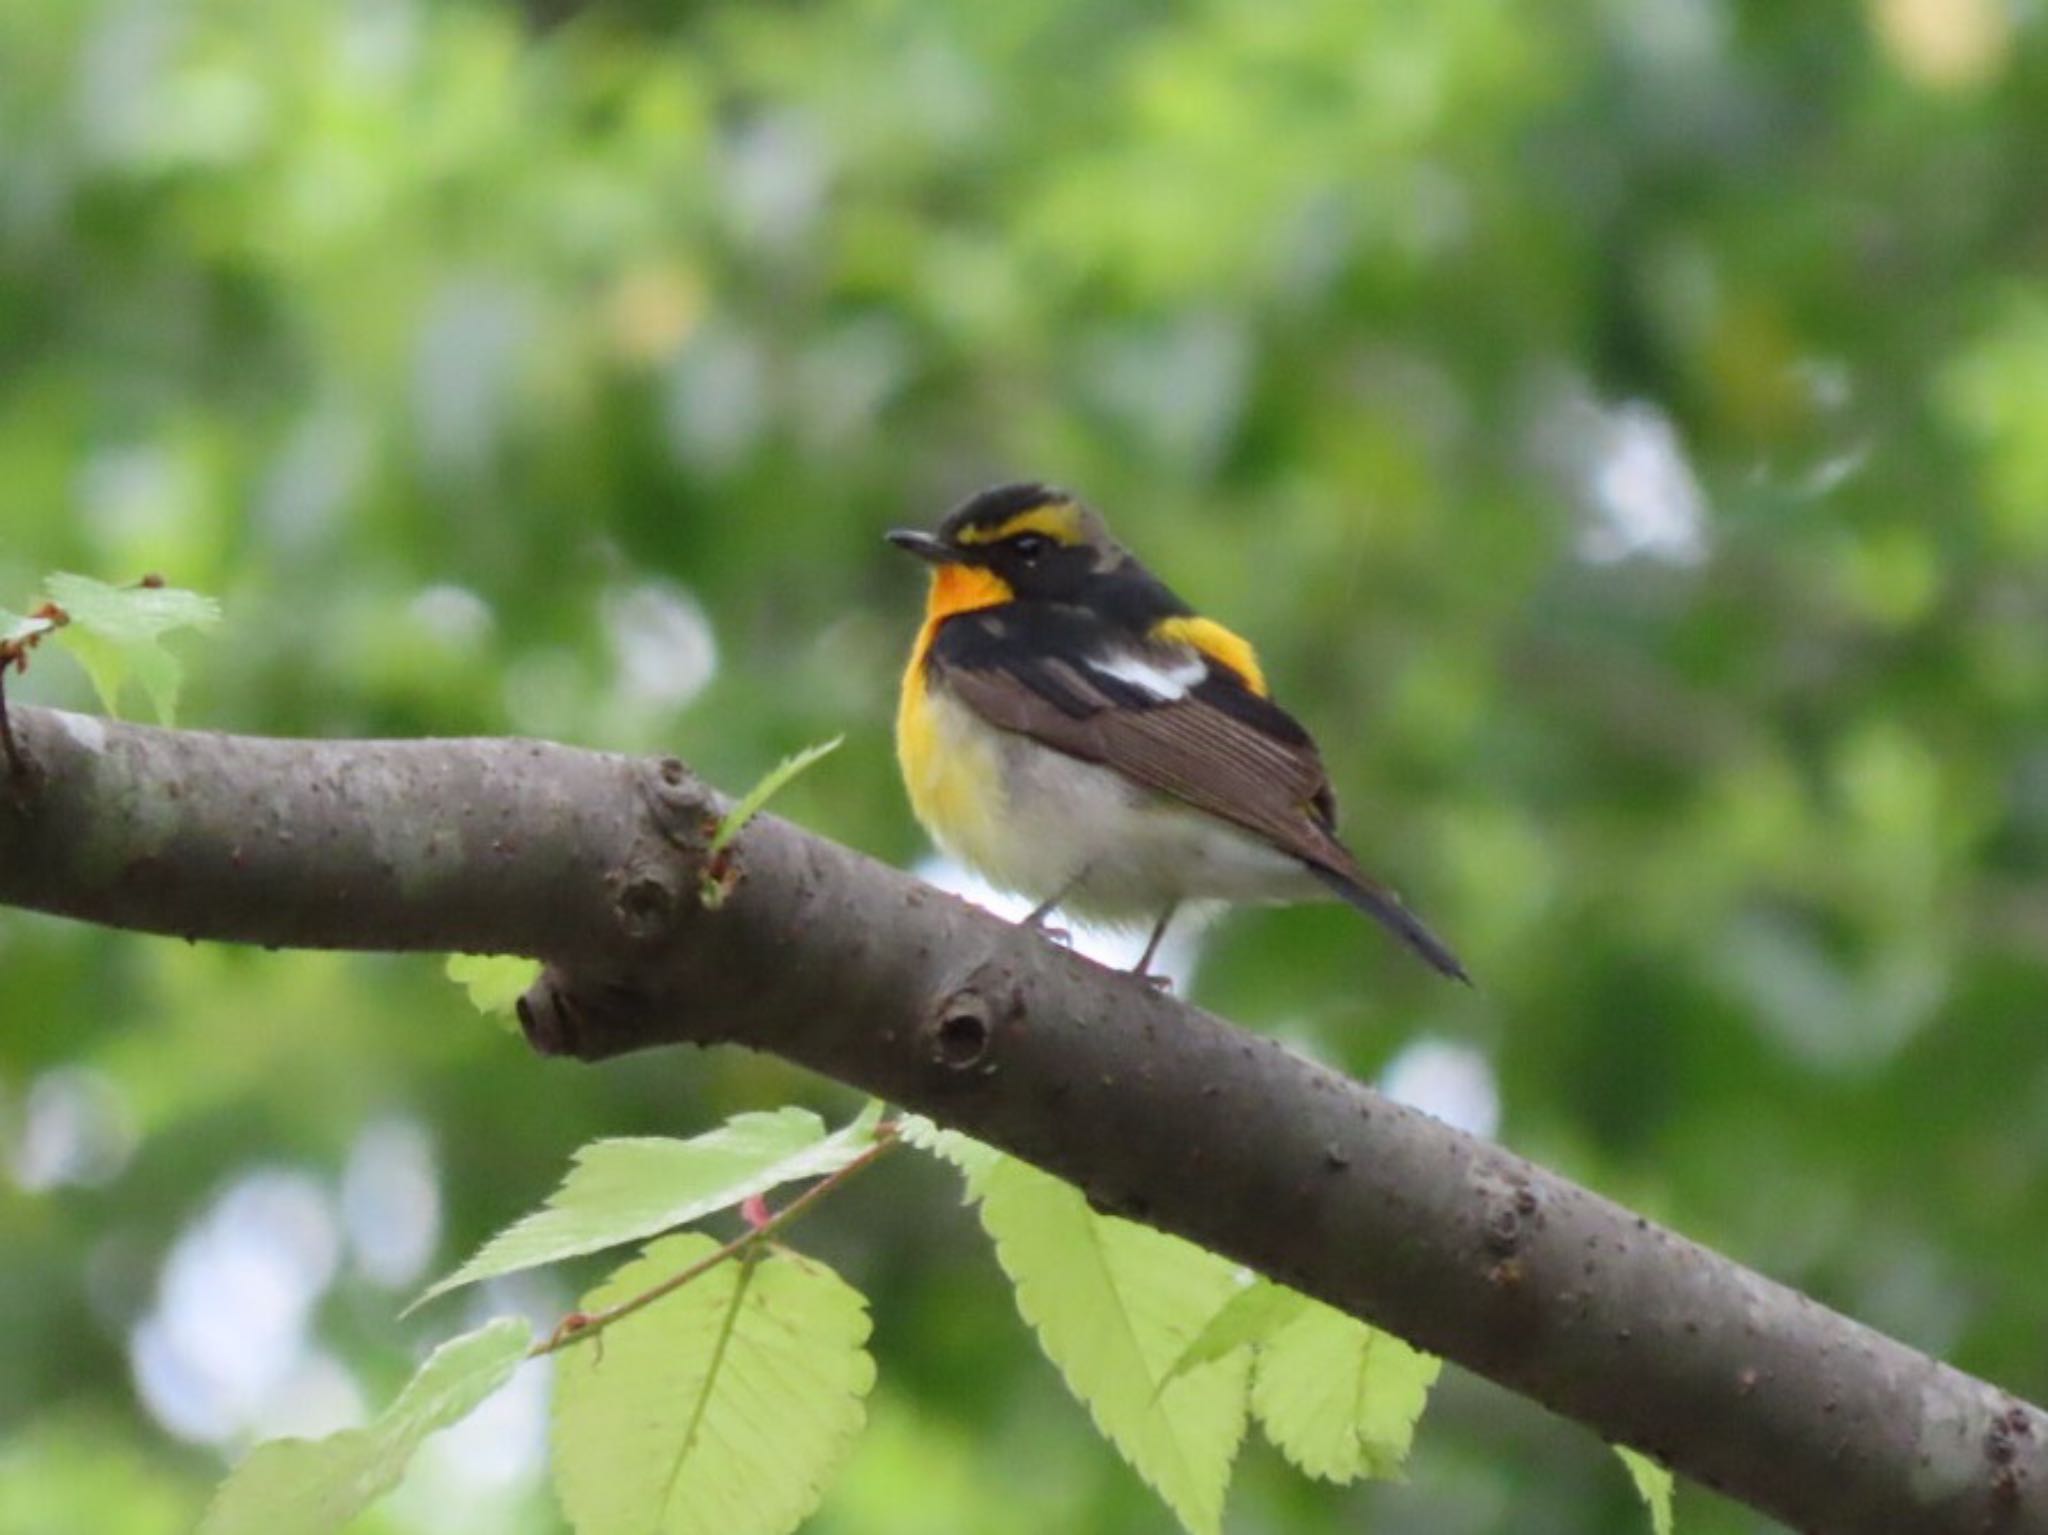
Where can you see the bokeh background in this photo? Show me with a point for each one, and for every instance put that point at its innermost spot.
(1624, 423)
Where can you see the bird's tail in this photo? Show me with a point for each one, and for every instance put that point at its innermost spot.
(1384, 907)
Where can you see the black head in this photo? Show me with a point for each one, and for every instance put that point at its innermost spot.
(1040, 542)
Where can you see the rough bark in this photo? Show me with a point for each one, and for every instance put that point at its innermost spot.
(597, 865)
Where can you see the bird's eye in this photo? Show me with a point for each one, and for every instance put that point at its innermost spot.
(1029, 546)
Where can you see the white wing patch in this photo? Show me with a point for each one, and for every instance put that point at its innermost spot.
(1164, 680)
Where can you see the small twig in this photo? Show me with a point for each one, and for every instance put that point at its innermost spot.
(579, 1325)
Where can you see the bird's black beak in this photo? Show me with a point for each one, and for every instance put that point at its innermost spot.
(916, 541)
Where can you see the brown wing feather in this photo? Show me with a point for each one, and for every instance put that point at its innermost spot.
(1219, 747)
(1188, 747)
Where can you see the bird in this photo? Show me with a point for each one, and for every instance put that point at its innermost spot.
(1078, 734)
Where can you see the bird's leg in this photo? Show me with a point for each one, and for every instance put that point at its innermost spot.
(1045, 908)
(1035, 918)
(1142, 968)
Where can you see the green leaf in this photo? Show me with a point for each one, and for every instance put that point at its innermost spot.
(130, 612)
(1653, 1482)
(735, 820)
(963, 1151)
(1339, 1398)
(117, 632)
(105, 666)
(722, 1409)
(495, 982)
(300, 1486)
(623, 1190)
(771, 785)
(1115, 1305)
(1251, 1316)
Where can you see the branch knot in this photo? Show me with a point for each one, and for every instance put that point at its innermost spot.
(962, 1030)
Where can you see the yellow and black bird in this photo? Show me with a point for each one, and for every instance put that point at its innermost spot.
(1079, 735)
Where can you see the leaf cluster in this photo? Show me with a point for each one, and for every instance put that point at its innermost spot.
(714, 1389)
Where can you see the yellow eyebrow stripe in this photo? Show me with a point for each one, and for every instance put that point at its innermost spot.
(1057, 520)
(1218, 644)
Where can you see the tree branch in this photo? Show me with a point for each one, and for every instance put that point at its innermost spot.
(1160, 1111)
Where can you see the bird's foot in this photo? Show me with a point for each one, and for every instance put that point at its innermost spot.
(1036, 920)
(1163, 984)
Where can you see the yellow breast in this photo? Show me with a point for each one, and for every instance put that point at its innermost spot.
(952, 768)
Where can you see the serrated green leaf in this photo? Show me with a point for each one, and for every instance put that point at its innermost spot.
(117, 632)
(303, 1487)
(495, 982)
(722, 1409)
(1340, 1399)
(1256, 1312)
(963, 1151)
(130, 612)
(1114, 1305)
(771, 784)
(105, 667)
(624, 1190)
(1654, 1484)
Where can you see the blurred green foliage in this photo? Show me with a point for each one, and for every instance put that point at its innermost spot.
(1622, 427)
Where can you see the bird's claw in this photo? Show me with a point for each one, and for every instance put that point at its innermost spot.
(1037, 921)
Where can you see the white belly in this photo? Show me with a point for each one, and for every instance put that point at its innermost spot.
(1111, 850)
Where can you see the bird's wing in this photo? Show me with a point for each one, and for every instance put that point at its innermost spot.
(1166, 716)
(1172, 718)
